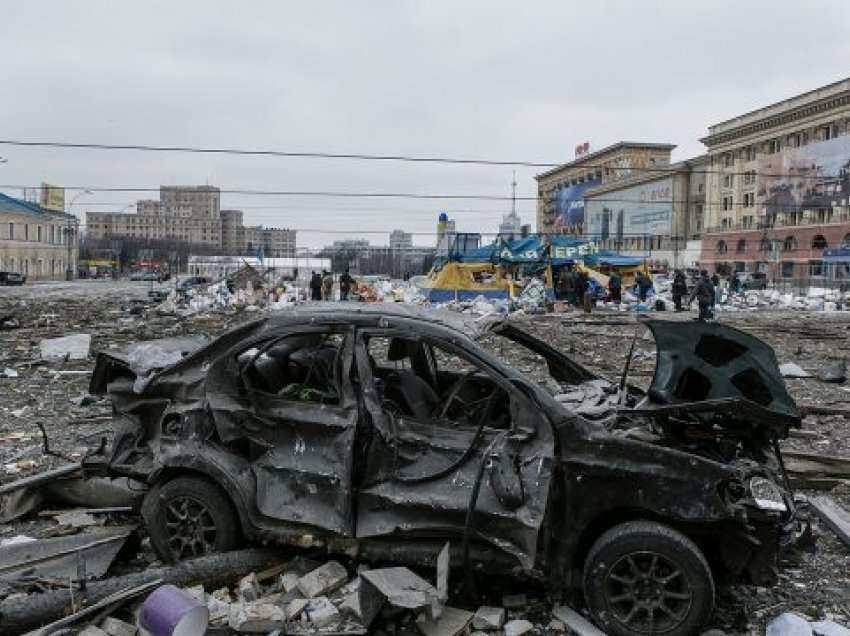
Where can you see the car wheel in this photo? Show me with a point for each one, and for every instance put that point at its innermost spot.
(646, 578)
(189, 517)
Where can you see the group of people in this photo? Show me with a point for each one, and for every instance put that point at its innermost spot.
(571, 286)
(704, 291)
(321, 285)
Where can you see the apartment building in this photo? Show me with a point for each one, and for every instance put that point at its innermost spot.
(191, 214)
(34, 240)
(778, 185)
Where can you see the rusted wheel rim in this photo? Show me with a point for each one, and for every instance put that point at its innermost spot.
(191, 527)
(647, 593)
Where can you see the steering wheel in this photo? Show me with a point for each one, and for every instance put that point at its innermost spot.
(454, 394)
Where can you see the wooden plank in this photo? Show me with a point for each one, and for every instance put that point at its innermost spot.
(833, 515)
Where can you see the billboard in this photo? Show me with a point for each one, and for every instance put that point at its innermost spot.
(569, 206)
(815, 176)
(641, 210)
(52, 197)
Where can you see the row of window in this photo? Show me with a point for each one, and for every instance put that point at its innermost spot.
(790, 243)
(793, 140)
(32, 266)
(50, 234)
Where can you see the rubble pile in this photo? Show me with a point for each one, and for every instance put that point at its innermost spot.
(46, 358)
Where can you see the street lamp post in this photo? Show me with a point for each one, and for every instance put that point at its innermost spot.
(69, 235)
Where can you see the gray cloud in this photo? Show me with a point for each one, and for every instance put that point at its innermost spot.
(482, 79)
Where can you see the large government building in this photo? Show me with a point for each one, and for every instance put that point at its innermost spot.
(192, 214)
(779, 184)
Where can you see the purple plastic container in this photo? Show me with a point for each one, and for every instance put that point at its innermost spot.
(169, 611)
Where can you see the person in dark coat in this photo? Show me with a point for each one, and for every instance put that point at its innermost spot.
(568, 285)
(345, 283)
(679, 288)
(644, 285)
(315, 286)
(615, 287)
(581, 288)
(704, 293)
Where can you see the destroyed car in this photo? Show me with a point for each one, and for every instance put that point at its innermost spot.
(385, 431)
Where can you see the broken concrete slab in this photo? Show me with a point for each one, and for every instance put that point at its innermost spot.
(829, 628)
(295, 607)
(325, 578)
(575, 621)
(834, 516)
(398, 586)
(249, 588)
(116, 627)
(289, 581)
(76, 519)
(73, 347)
(489, 618)
(834, 373)
(789, 624)
(320, 611)
(793, 370)
(256, 617)
(452, 621)
(518, 627)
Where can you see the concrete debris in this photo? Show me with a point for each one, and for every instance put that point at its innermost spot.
(452, 621)
(518, 627)
(320, 611)
(249, 588)
(258, 617)
(793, 370)
(295, 607)
(834, 373)
(289, 581)
(577, 623)
(400, 588)
(322, 580)
(117, 627)
(489, 618)
(92, 630)
(76, 519)
(71, 347)
(789, 624)
(829, 628)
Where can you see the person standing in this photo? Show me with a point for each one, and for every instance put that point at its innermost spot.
(345, 283)
(715, 281)
(569, 286)
(615, 288)
(315, 286)
(704, 293)
(679, 288)
(327, 284)
(644, 285)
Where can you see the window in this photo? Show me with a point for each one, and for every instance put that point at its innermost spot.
(845, 242)
(765, 245)
(787, 269)
(26, 232)
(727, 159)
(742, 246)
(11, 230)
(728, 203)
(789, 244)
(815, 268)
(819, 242)
(728, 180)
(721, 248)
(301, 367)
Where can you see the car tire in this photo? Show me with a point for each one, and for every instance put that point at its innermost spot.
(189, 517)
(643, 577)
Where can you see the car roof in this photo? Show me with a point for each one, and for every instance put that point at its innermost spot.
(472, 327)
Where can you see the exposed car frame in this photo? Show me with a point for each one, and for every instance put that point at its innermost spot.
(558, 492)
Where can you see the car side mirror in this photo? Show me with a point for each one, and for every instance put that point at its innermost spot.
(504, 474)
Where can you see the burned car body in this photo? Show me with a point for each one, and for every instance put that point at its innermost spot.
(386, 431)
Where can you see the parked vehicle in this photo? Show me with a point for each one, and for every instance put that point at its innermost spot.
(387, 430)
(752, 280)
(12, 278)
(193, 281)
(145, 274)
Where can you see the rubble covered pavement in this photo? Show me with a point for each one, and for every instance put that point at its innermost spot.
(337, 553)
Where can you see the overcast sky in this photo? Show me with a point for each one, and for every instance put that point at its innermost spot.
(502, 80)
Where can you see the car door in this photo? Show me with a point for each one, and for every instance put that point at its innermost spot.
(288, 400)
(424, 473)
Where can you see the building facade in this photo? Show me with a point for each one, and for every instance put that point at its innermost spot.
(401, 240)
(193, 215)
(652, 214)
(778, 185)
(36, 242)
(561, 191)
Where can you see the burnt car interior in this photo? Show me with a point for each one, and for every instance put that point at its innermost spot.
(420, 379)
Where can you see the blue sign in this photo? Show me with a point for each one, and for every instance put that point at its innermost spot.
(569, 205)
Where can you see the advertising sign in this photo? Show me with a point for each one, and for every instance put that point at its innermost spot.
(814, 176)
(641, 210)
(52, 197)
(569, 206)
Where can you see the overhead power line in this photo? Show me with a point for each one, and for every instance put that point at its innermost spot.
(397, 195)
(298, 154)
